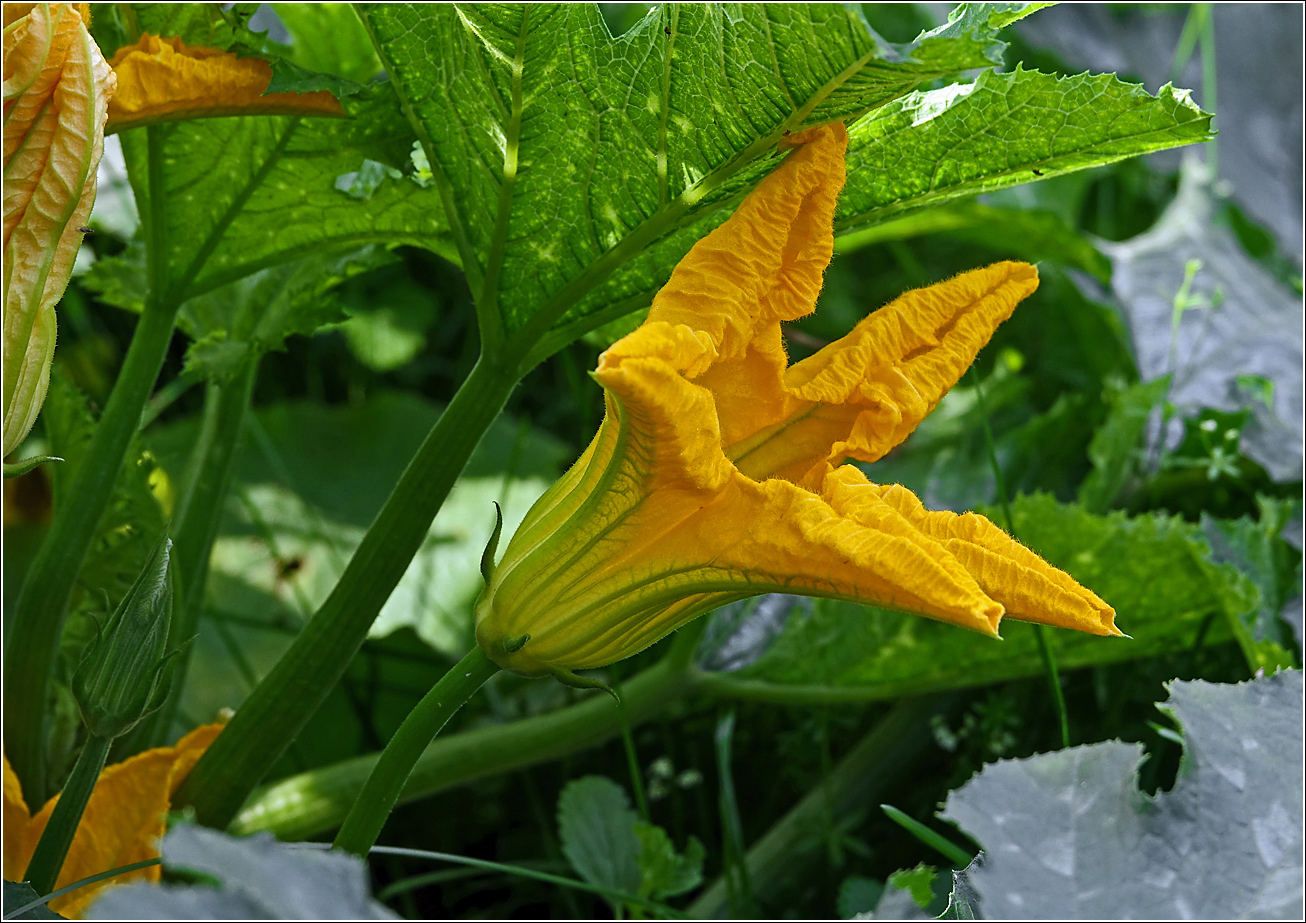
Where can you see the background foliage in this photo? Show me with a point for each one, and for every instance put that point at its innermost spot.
(1145, 411)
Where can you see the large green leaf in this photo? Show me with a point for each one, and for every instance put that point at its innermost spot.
(1068, 835)
(243, 194)
(1003, 130)
(256, 877)
(569, 158)
(1156, 571)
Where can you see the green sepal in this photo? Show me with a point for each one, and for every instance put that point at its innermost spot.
(492, 546)
(124, 672)
(17, 469)
(568, 678)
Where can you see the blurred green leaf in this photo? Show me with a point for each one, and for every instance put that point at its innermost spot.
(19, 894)
(596, 826)
(1068, 835)
(1002, 130)
(310, 478)
(1256, 548)
(524, 105)
(1023, 233)
(328, 38)
(1116, 445)
(663, 871)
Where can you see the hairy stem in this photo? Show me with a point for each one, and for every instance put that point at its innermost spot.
(381, 790)
(290, 694)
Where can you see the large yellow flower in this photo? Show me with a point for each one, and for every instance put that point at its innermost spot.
(122, 823)
(718, 472)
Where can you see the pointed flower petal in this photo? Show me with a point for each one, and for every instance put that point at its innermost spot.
(56, 90)
(718, 472)
(123, 821)
(166, 80)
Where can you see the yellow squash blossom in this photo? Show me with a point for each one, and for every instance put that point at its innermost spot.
(122, 823)
(56, 91)
(164, 80)
(718, 472)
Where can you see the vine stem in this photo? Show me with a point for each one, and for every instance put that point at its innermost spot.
(38, 615)
(290, 694)
(47, 859)
(382, 789)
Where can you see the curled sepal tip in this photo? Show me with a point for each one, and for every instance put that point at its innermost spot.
(576, 681)
(18, 469)
(491, 547)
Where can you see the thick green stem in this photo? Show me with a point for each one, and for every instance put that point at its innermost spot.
(195, 526)
(47, 859)
(289, 695)
(381, 790)
(310, 803)
(38, 616)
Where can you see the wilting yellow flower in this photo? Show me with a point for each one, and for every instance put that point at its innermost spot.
(164, 80)
(56, 90)
(122, 823)
(718, 472)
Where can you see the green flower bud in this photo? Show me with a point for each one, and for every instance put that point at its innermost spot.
(124, 674)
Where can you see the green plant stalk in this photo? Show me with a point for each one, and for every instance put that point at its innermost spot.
(194, 529)
(307, 804)
(385, 783)
(38, 615)
(288, 696)
(17, 914)
(37, 619)
(47, 860)
(888, 754)
(959, 857)
(1040, 632)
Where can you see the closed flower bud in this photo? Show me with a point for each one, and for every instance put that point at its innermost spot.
(56, 95)
(123, 675)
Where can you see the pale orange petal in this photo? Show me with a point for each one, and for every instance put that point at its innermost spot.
(17, 849)
(124, 818)
(1031, 589)
(166, 80)
(56, 94)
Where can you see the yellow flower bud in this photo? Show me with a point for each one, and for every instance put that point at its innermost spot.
(56, 93)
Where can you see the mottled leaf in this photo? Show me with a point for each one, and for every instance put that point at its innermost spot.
(1069, 836)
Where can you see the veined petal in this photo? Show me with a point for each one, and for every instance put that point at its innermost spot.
(718, 318)
(166, 80)
(865, 393)
(56, 96)
(1031, 589)
(123, 821)
(717, 474)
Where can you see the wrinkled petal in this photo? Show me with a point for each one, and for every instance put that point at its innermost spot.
(56, 90)
(1031, 589)
(17, 851)
(166, 80)
(717, 471)
(123, 821)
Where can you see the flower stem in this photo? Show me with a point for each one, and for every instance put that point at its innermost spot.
(38, 616)
(289, 695)
(47, 859)
(381, 791)
(307, 804)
